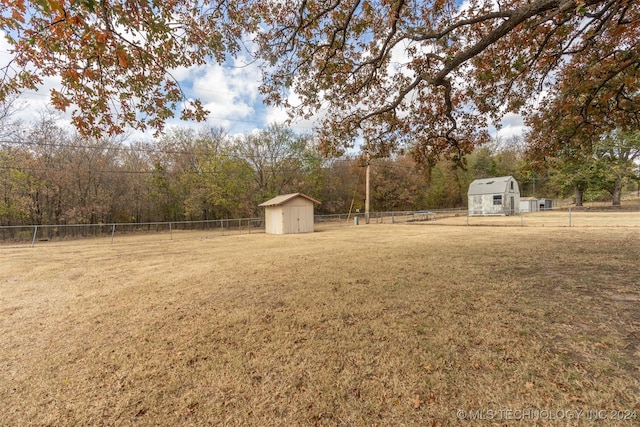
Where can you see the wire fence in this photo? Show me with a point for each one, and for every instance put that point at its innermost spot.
(61, 232)
(403, 217)
(601, 216)
(559, 217)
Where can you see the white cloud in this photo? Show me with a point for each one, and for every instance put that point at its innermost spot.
(275, 115)
(512, 125)
(31, 104)
(230, 92)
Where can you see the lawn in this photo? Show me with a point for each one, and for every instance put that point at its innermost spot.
(381, 324)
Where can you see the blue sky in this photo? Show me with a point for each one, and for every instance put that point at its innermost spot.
(230, 92)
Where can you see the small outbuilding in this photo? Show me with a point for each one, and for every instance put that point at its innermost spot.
(545, 204)
(289, 214)
(494, 196)
(529, 204)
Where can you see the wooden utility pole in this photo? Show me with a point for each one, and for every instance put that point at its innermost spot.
(366, 195)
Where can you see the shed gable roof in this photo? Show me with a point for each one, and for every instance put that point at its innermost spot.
(279, 200)
(497, 185)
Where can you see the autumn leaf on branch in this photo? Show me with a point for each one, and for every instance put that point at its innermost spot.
(425, 76)
(595, 95)
(433, 75)
(116, 59)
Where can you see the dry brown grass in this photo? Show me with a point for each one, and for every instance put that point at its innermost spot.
(368, 325)
(555, 218)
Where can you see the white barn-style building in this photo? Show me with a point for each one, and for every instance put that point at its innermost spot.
(494, 196)
(289, 214)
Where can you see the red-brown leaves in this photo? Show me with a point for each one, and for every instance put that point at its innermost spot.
(427, 75)
(433, 76)
(115, 57)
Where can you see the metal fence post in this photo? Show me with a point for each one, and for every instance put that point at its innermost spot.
(33, 241)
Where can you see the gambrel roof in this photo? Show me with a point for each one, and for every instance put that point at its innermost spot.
(498, 185)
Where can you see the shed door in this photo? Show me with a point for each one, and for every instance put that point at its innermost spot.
(295, 221)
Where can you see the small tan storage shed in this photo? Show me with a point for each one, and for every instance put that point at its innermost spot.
(289, 214)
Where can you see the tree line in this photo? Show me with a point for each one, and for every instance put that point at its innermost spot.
(428, 75)
(51, 176)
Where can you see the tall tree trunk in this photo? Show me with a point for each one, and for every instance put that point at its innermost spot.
(616, 194)
(579, 194)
